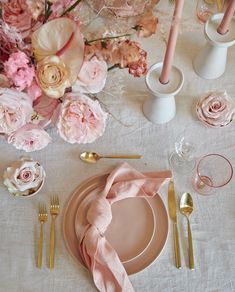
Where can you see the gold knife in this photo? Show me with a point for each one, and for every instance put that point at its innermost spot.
(173, 216)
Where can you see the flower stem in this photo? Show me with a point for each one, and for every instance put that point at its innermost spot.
(106, 38)
(71, 7)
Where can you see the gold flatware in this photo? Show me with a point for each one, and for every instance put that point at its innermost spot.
(92, 157)
(186, 208)
(54, 210)
(173, 216)
(42, 217)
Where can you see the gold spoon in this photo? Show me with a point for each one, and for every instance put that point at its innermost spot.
(92, 157)
(186, 208)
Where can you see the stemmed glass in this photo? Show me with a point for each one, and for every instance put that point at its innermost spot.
(187, 147)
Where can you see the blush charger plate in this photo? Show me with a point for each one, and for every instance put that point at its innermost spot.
(145, 253)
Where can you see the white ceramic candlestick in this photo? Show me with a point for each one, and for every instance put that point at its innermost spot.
(160, 107)
(210, 63)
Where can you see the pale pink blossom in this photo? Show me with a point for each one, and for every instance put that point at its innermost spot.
(15, 110)
(36, 7)
(24, 177)
(92, 76)
(10, 39)
(16, 13)
(18, 69)
(130, 55)
(147, 25)
(123, 54)
(81, 119)
(216, 109)
(29, 138)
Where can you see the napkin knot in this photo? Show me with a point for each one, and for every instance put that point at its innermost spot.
(100, 214)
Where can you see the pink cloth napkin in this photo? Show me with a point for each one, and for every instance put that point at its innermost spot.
(98, 255)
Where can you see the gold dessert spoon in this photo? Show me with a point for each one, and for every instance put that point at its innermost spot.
(186, 208)
(92, 157)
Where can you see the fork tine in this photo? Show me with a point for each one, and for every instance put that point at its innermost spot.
(57, 200)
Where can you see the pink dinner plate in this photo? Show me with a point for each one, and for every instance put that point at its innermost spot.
(144, 253)
(131, 229)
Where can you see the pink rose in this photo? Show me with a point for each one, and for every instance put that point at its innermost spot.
(15, 110)
(81, 119)
(29, 138)
(216, 110)
(24, 177)
(17, 69)
(17, 14)
(92, 76)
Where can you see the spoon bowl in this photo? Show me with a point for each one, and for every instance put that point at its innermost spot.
(186, 204)
(92, 157)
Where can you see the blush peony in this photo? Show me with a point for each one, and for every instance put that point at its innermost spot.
(81, 119)
(29, 138)
(15, 110)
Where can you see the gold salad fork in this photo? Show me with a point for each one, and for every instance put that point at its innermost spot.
(54, 210)
(42, 217)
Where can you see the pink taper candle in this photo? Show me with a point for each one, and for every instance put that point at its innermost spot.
(171, 44)
(228, 15)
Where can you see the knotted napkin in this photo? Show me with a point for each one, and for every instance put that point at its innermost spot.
(99, 256)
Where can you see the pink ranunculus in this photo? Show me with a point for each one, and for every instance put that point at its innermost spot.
(216, 110)
(92, 76)
(29, 138)
(81, 119)
(15, 110)
(17, 14)
(18, 69)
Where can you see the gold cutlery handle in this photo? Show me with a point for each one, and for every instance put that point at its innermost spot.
(123, 156)
(40, 243)
(190, 247)
(52, 244)
(177, 246)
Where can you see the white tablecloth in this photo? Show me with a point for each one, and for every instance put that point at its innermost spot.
(212, 221)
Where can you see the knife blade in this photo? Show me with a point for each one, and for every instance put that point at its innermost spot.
(173, 216)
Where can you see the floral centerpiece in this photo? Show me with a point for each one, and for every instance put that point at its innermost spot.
(49, 70)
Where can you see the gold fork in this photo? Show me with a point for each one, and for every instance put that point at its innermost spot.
(54, 210)
(42, 217)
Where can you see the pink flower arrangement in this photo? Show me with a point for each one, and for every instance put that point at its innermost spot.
(47, 67)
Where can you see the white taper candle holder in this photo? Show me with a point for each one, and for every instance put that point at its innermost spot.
(211, 61)
(160, 107)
